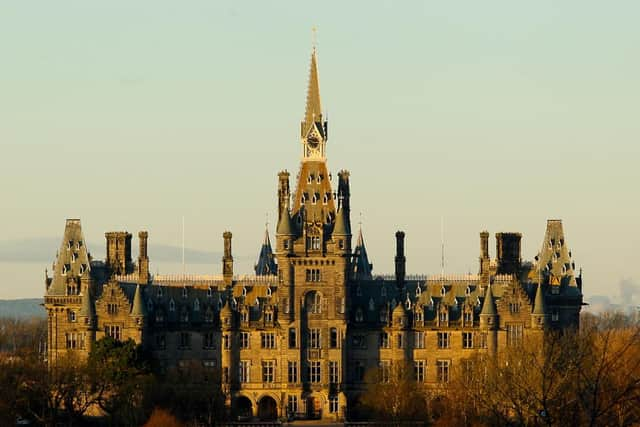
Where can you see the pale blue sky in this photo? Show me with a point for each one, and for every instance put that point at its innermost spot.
(495, 115)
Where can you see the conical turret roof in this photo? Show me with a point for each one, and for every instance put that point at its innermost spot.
(489, 304)
(361, 265)
(285, 227)
(138, 308)
(266, 264)
(87, 308)
(341, 226)
(538, 305)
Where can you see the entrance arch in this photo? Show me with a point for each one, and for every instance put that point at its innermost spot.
(243, 408)
(267, 409)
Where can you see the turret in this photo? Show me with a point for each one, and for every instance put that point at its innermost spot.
(143, 258)
(361, 265)
(539, 316)
(138, 308)
(266, 265)
(400, 260)
(342, 232)
(227, 259)
(489, 320)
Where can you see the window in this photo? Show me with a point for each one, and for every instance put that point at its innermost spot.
(159, 292)
(333, 338)
(285, 245)
(185, 340)
(112, 331)
(385, 371)
(358, 371)
(293, 338)
(341, 305)
(184, 292)
(467, 340)
(161, 342)
(208, 316)
(112, 308)
(384, 340)
(245, 338)
(292, 404)
(340, 244)
(334, 372)
(286, 305)
(443, 317)
(226, 341)
(184, 315)
(209, 292)
(267, 371)
(333, 404)
(514, 307)
(467, 370)
(400, 341)
(419, 317)
(313, 275)
(514, 334)
(443, 339)
(268, 317)
(468, 318)
(72, 316)
(268, 340)
(483, 340)
(555, 315)
(419, 369)
(159, 316)
(314, 303)
(384, 316)
(292, 371)
(359, 315)
(314, 338)
(244, 369)
(245, 316)
(419, 339)
(442, 370)
(209, 364)
(74, 340)
(172, 305)
(314, 371)
(313, 243)
(209, 340)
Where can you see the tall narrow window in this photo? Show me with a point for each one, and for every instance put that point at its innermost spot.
(443, 339)
(244, 371)
(292, 372)
(442, 370)
(267, 371)
(419, 368)
(333, 338)
(293, 338)
(314, 338)
(334, 372)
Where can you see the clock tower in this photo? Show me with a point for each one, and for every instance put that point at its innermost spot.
(313, 129)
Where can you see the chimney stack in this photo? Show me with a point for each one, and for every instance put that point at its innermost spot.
(400, 259)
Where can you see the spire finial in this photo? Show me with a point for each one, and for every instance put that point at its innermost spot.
(314, 37)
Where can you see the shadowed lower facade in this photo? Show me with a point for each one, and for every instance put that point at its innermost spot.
(298, 337)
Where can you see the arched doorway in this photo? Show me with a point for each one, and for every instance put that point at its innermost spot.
(243, 408)
(314, 408)
(267, 409)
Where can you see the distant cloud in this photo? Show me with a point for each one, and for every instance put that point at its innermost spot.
(44, 250)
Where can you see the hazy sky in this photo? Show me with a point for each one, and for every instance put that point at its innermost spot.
(496, 115)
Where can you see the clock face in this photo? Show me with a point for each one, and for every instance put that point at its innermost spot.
(313, 141)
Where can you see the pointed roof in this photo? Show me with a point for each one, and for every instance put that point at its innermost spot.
(72, 259)
(266, 264)
(489, 304)
(313, 109)
(341, 226)
(285, 227)
(361, 265)
(138, 308)
(554, 257)
(87, 308)
(538, 305)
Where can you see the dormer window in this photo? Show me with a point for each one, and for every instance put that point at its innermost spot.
(196, 305)
(303, 199)
(310, 178)
(209, 292)
(268, 291)
(159, 292)
(359, 316)
(419, 317)
(244, 291)
(184, 292)
(319, 179)
(268, 317)
(325, 199)
(69, 244)
(443, 291)
(245, 316)
(467, 291)
(372, 305)
(418, 290)
(408, 304)
(172, 305)
(72, 316)
(384, 316)
(64, 269)
(443, 317)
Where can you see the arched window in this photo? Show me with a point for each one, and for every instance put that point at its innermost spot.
(209, 292)
(184, 292)
(313, 302)
(244, 291)
(359, 316)
(172, 305)
(196, 305)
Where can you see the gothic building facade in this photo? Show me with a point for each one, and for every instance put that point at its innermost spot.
(297, 337)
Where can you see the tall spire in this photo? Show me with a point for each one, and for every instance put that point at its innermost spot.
(313, 110)
(538, 305)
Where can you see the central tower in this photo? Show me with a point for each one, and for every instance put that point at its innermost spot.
(313, 250)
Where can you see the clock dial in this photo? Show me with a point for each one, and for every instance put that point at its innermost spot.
(313, 141)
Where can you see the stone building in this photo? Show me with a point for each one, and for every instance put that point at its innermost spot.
(298, 336)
